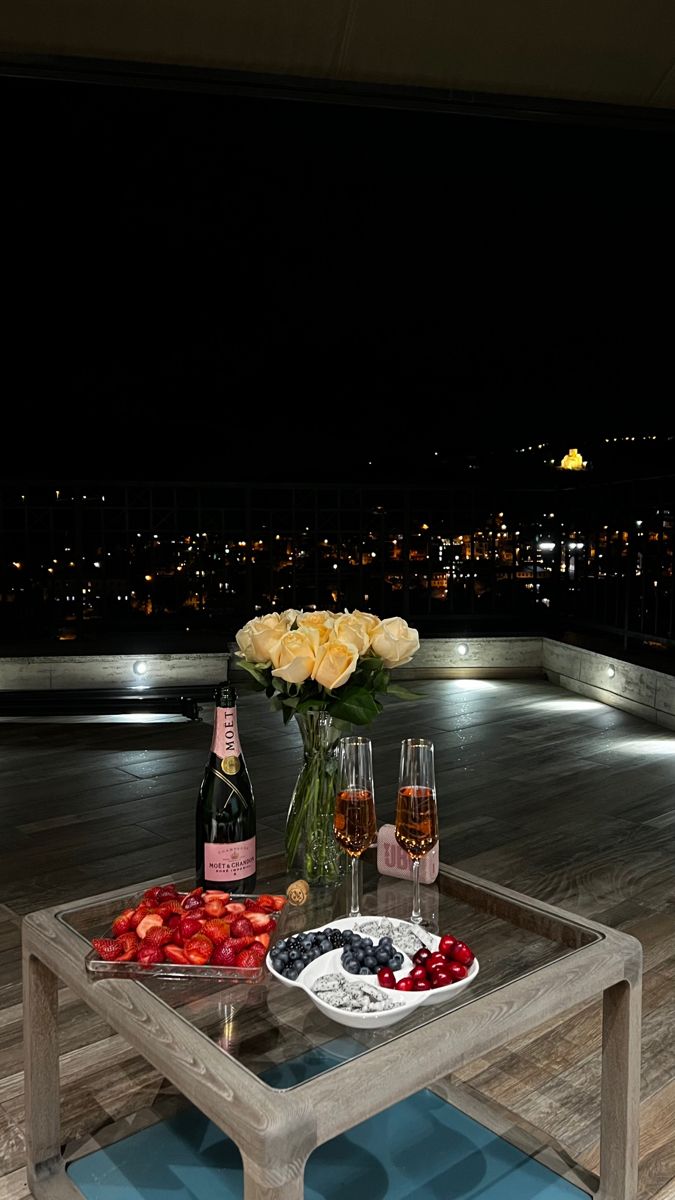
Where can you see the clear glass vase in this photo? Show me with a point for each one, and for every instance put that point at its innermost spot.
(311, 849)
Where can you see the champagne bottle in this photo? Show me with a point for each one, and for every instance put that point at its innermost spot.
(225, 841)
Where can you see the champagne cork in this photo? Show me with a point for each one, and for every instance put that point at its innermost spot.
(298, 892)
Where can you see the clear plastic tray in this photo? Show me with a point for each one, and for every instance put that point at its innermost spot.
(135, 970)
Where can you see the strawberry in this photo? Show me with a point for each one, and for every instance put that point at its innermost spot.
(248, 959)
(159, 935)
(106, 948)
(150, 897)
(235, 909)
(128, 944)
(214, 908)
(174, 954)
(168, 892)
(189, 926)
(241, 927)
(198, 949)
(217, 930)
(279, 902)
(262, 939)
(261, 922)
(122, 924)
(242, 943)
(224, 955)
(167, 907)
(265, 903)
(149, 954)
(214, 895)
(193, 899)
(151, 921)
(139, 913)
(172, 921)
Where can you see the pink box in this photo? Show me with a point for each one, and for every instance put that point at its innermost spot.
(392, 860)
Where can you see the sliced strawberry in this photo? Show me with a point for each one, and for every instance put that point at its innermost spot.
(265, 903)
(224, 955)
(261, 922)
(193, 899)
(151, 896)
(151, 921)
(279, 902)
(215, 895)
(128, 944)
(149, 954)
(106, 948)
(122, 924)
(168, 892)
(242, 943)
(214, 908)
(216, 929)
(159, 935)
(173, 921)
(174, 954)
(234, 908)
(139, 913)
(241, 927)
(167, 907)
(263, 939)
(248, 959)
(198, 949)
(189, 926)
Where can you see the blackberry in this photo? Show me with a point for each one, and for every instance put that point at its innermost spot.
(336, 939)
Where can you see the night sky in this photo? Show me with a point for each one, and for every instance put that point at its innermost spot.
(198, 280)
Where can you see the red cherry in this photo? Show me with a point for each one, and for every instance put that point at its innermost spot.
(421, 956)
(436, 960)
(405, 985)
(386, 978)
(418, 973)
(446, 944)
(421, 985)
(442, 978)
(462, 954)
(457, 970)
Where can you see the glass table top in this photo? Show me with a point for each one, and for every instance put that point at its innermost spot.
(266, 1026)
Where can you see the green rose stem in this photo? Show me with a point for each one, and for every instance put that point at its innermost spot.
(310, 843)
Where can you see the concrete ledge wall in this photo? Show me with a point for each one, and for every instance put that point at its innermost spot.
(111, 670)
(439, 658)
(638, 690)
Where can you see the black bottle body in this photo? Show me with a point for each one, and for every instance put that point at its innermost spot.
(225, 824)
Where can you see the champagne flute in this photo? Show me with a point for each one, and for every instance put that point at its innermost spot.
(354, 823)
(416, 812)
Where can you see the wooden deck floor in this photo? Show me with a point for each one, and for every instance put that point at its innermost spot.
(539, 789)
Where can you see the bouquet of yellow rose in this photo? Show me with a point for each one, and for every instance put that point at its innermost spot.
(335, 662)
(327, 670)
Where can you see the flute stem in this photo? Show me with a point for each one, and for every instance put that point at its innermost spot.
(416, 917)
(355, 910)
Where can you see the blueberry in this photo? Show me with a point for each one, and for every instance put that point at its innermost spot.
(386, 943)
(359, 954)
(293, 955)
(353, 967)
(347, 935)
(370, 962)
(315, 953)
(367, 942)
(396, 961)
(356, 939)
(282, 958)
(382, 956)
(279, 946)
(324, 946)
(364, 971)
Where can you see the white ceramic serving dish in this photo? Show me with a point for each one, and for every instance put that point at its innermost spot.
(330, 963)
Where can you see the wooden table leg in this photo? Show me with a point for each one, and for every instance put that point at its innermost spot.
(41, 1050)
(289, 1189)
(620, 1112)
